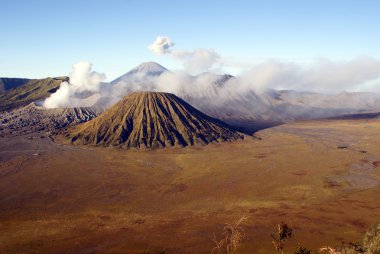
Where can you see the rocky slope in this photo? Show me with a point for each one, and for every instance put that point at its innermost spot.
(152, 120)
(32, 118)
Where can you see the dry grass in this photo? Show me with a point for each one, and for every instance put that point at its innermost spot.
(371, 240)
(233, 234)
(345, 248)
(371, 244)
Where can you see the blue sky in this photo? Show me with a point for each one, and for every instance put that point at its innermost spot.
(44, 38)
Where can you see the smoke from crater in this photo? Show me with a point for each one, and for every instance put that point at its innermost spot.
(83, 82)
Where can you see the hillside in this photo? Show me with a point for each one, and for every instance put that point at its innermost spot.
(9, 83)
(151, 119)
(31, 91)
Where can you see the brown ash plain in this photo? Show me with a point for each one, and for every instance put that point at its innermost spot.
(321, 177)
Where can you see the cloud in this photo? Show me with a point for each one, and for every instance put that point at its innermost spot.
(197, 60)
(318, 76)
(161, 45)
(83, 82)
(323, 76)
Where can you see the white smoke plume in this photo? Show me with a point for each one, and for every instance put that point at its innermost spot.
(161, 45)
(323, 76)
(359, 74)
(83, 82)
(197, 60)
(247, 90)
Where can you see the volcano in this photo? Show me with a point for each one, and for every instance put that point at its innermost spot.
(151, 120)
(150, 69)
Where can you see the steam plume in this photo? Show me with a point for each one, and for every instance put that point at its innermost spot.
(83, 82)
(197, 60)
(358, 74)
(161, 45)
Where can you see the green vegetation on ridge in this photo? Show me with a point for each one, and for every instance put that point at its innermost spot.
(9, 83)
(32, 90)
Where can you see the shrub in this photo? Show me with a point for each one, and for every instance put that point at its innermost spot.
(283, 232)
(233, 235)
(371, 240)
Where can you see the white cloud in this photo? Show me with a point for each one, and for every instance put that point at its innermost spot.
(197, 60)
(318, 76)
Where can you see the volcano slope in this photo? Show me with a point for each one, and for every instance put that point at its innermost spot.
(33, 118)
(152, 120)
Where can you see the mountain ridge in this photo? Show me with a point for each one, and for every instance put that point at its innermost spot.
(33, 118)
(10, 83)
(31, 91)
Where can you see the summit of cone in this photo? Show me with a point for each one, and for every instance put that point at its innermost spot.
(147, 68)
